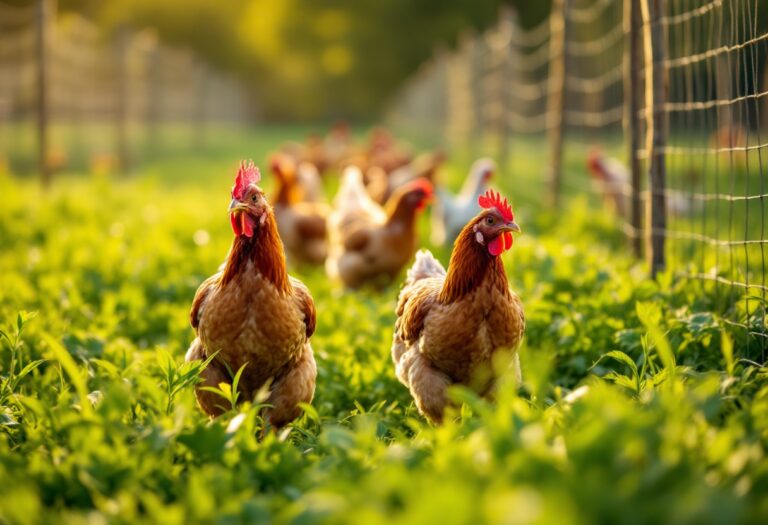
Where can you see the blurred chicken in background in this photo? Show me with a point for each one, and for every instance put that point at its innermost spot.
(370, 243)
(614, 184)
(381, 184)
(338, 144)
(730, 141)
(300, 213)
(324, 153)
(382, 151)
(450, 213)
(611, 178)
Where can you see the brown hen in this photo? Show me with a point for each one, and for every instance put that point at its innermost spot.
(451, 325)
(301, 218)
(368, 243)
(253, 313)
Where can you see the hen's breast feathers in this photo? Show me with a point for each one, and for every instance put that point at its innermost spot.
(300, 296)
(451, 331)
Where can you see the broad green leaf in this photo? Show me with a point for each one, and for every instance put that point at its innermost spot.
(76, 376)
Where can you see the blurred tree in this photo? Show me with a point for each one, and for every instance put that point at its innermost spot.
(310, 59)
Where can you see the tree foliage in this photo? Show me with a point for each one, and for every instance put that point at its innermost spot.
(310, 59)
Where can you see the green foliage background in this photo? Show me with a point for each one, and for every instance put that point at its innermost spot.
(638, 407)
(306, 59)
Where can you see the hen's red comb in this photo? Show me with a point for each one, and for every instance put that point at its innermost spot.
(247, 174)
(493, 199)
(421, 184)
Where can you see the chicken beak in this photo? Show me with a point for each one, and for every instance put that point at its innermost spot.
(236, 205)
(511, 227)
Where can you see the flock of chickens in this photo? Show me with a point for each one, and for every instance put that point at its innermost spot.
(454, 325)
(254, 321)
(368, 234)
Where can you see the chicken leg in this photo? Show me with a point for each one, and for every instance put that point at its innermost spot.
(297, 385)
(428, 386)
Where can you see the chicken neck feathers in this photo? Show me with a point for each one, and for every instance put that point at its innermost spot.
(264, 250)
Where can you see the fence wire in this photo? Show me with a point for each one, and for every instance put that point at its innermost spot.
(716, 152)
(499, 91)
(108, 98)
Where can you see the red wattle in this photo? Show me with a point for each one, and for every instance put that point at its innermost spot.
(247, 224)
(234, 220)
(496, 246)
(508, 240)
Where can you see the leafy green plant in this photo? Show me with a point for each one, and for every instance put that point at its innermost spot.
(640, 403)
(11, 380)
(228, 391)
(177, 377)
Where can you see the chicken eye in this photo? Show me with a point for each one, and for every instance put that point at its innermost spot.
(490, 220)
(253, 198)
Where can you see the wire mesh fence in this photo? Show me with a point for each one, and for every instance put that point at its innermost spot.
(72, 97)
(658, 107)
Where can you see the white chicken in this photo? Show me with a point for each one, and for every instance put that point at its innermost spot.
(613, 182)
(450, 213)
(352, 197)
(611, 178)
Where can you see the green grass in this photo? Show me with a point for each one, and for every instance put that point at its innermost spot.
(666, 421)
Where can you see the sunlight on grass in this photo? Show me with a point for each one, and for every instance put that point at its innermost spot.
(633, 397)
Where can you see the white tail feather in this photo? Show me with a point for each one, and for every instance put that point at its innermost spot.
(424, 266)
(351, 191)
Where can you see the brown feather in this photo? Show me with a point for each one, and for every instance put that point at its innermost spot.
(265, 250)
(449, 327)
(311, 226)
(470, 262)
(413, 307)
(306, 305)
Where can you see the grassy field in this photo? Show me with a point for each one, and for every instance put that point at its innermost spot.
(639, 404)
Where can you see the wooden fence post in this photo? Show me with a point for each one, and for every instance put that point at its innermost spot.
(764, 116)
(459, 96)
(507, 26)
(475, 65)
(121, 93)
(656, 132)
(153, 94)
(556, 95)
(632, 96)
(44, 18)
(201, 117)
